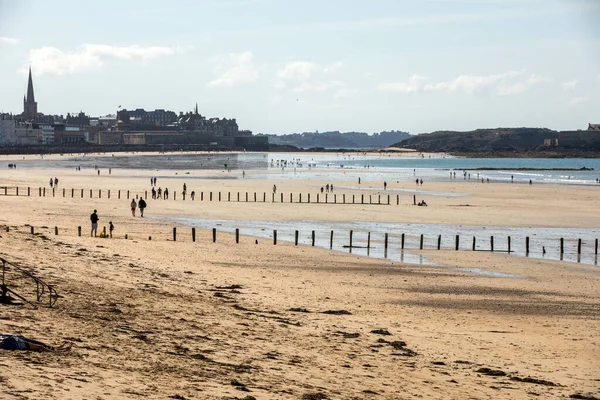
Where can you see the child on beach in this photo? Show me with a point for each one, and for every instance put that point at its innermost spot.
(111, 228)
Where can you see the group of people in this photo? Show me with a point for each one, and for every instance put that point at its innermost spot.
(328, 188)
(153, 181)
(94, 233)
(141, 204)
(158, 193)
(54, 182)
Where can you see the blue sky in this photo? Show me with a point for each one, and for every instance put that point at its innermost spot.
(282, 66)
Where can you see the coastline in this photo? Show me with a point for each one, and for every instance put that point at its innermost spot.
(158, 318)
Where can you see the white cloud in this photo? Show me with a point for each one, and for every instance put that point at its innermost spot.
(8, 40)
(333, 67)
(414, 84)
(238, 69)
(569, 86)
(578, 100)
(344, 92)
(505, 83)
(298, 70)
(318, 87)
(50, 60)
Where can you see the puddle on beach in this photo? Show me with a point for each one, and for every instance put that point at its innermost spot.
(544, 243)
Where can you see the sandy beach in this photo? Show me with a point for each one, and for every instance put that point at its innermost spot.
(202, 320)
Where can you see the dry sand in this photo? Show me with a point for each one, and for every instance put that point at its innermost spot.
(203, 320)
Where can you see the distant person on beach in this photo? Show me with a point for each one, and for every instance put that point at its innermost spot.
(17, 342)
(192, 195)
(331, 188)
(142, 205)
(166, 193)
(530, 182)
(417, 181)
(359, 181)
(133, 207)
(321, 189)
(243, 174)
(151, 181)
(159, 193)
(94, 218)
(153, 193)
(51, 183)
(384, 185)
(184, 188)
(327, 188)
(55, 182)
(512, 178)
(154, 181)
(421, 182)
(274, 189)
(98, 172)
(111, 228)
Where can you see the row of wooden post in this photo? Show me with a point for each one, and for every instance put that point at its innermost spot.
(42, 193)
(386, 241)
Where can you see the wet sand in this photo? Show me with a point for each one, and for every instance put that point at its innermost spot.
(203, 320)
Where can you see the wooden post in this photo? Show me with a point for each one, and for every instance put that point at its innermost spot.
(352, 199)
(201, 196)
(326, 198)
(458, 242)
(331, 240)
(40, 193)
(313, 238)
(193, 234)
(119, 195)
(388, 199)
(78, 231)
(64, 191)
(344, 198)
(146, 194)
(378, 199)
(291, 198)
(44, 192)
(317, 197)
(237, 235)
(219, 196)
(210, 196)
(56, 230)
(596, 247)
(282, 197)
(300, 197)
(508, 239)
(351, 240)
(28, 191)
(491, 243)
(369, 240)
(421, 243)
(562, 246)
(527, 245)
(82, 194)
(474, 243)
(31, 229)
(309, 197)
(335, 198)
(264, 197)
(255, 197)
(385, 242)
(579, 247)
(183, 195)
(109, 193)
(246, 197)
(72, 193)
(275, 236)
(238, 197)
(99, 193)
(174, 234)
(91, 195)
(397, 199)
(174, 195)
(414, 199)
(18, 191)
(439, 242)
(273, 198)
(228, 196)
(53, 191)
(296, 238)
(402, 242)
(370, 199)
(214, 235)
(362, 199)
(128, 195)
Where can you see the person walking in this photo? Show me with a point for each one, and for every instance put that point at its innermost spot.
(142, 206)
(384, 185)
(111, 228)
(166, 193)
(94, 219)
(55, 182)
(133, 207)
(51, 182)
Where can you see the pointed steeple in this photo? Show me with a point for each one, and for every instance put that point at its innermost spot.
(196, 110)
(30, 96)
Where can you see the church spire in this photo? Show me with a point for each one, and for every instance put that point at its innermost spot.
(30, 96)
(196, 109)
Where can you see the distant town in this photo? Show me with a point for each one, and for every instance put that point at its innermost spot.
(125, 127)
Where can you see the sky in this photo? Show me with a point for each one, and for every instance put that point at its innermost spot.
(284, 66)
